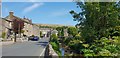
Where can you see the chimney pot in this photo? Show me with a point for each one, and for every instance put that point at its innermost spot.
(11, 13)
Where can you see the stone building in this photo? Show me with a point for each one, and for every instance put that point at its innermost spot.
(45, 31)
(54, 32)
(35, 30)
(29, 28)
(5, 27)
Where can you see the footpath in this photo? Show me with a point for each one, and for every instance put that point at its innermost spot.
(9, 42)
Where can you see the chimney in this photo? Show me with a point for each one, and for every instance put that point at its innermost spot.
(11, 13)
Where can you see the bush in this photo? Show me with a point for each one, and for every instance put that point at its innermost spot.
(104, 52)
(88, 52)
(56, 48)
(3, 34)
(22, 31)
(76, 45)
(32, 35)
(54, 38)
(55, 44)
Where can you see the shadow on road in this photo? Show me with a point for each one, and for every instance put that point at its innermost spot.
(43, 44)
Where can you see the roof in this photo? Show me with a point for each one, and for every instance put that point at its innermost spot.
(8, 17)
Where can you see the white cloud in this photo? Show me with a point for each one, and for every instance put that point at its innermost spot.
(32, 7)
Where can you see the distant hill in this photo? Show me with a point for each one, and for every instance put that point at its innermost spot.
(54, 25)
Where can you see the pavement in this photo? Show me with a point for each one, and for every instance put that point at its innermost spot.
(6, 43)
(26, 48)
(9, 42)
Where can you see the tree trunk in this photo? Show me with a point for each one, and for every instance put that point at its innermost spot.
(15, 38)
(20, 33)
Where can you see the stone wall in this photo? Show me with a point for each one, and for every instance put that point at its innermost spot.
(51, 51)
(4, 27)
(0, 27)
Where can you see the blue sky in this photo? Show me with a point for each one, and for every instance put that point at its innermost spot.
(42, 12)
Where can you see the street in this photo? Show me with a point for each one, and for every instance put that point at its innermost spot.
(27, 48)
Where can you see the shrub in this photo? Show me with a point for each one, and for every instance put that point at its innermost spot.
(54, 38)
(56, 48)
(112, 48)
(3, 34)
(33, 35)
(22, 31)
(88, 52)
(76, 45)
(104, 52)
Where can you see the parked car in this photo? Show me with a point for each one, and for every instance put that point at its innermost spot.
(33, 38)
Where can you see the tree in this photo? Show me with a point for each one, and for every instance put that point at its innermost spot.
(40, 33)
(95, 18)
(61, 30)
(17, 26)
(72, 31)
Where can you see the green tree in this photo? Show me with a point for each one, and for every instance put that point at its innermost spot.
(61, 30)
(40, 33)
(95, 18)
(72, 31)
(54, 38)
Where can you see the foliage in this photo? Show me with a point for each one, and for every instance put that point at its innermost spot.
(33, 35)
(55, 44)
(100, 47)
(104, 52)
(40, 33)
(95, 18)
(22, 31)
(72, 31)
(99, 26)
(105, 47)
(76, 45)
(61, 30)
(88, 52)
(54, 38)
(3, 35)
(56, 48)
(17, 25)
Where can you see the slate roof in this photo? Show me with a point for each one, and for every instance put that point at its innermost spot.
(8, 17)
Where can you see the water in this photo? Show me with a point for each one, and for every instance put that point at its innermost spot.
(62, 51)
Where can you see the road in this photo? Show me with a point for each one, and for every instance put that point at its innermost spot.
(28, 48)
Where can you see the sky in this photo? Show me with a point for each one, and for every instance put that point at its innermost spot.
(42, 12)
